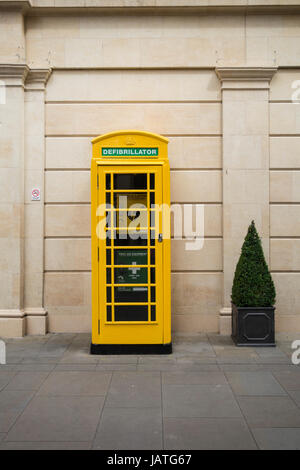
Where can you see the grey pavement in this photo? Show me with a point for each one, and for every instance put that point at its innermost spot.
(208, 394)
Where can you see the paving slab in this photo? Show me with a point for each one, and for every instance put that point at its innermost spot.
(274, 360)
(290, 380)
(65, 338)
(211, 395)
(207, 434)
(117, 367)
(277, 438)
(8, 367)
(241, 367)
(158, 359)
(159, 367)
(197, 367)
(5, 377)
(118, 359)
(76, 355)
(220, 340)
(195, 360)
(134, 389)
(76, 383)
(53, 349)
(270, 352)
(193, 346)
(254, 383)
(12, 403)
(199, 401)
(270, 412)
(194, 378)
(83, 367)
(38, 360)
(53, 419)
(129, 429)
(13, 358)
(34, 367)
(243, 356)
(295, 395)
(45, 446)
(27, 381)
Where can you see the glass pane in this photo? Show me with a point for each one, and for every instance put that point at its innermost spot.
(152, 256)
(108, 312)
(152, 275)
(132, 218)
(131, 294)
(108, 219)
(130, 200)
(153, 313)
(134, 238)
(153, 294)
(131, 313)
(108, 294)
(152, 181)
(152, 218)
(131, 276)
(107, 196)
(152, 237)
(108, 276)
(130, 181)
(130, 256)
(108, 256)
(152, 199)
(108, 181)
(108, 238)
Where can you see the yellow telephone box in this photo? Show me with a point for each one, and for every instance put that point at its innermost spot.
(131, 295)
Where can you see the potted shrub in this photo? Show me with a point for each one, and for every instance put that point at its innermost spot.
(253, 296)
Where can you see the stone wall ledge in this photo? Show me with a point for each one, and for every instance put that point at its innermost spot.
(32, 7)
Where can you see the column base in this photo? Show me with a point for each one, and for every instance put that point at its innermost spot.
(12, 323)
(36, 321)
(17, 323)
(225, 327)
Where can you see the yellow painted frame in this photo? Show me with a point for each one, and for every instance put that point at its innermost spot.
(130, 139)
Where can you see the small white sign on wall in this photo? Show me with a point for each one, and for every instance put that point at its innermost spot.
(36, 194)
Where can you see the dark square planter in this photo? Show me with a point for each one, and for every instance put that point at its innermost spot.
(253, 326)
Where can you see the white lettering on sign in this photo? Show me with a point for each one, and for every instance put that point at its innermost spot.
(131, 152)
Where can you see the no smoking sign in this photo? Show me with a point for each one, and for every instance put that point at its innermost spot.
(35, 194)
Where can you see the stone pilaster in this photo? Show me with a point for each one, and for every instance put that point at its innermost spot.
(245, 122)
(12, 315)
(36, 316)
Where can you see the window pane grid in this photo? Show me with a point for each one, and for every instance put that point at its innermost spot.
(113, 229)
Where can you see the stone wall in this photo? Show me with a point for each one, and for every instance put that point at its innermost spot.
(234, 147)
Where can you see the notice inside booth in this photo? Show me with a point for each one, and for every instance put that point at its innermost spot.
(131, 298)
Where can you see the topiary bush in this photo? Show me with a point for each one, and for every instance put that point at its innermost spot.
(252, 285)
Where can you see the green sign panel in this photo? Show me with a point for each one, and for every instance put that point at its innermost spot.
(129, 152)
(132, 275)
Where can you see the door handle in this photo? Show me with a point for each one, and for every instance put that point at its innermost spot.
(160, 237)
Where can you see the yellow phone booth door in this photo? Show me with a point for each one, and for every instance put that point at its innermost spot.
(130, 180)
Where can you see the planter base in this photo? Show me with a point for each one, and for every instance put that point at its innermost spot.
(256, 345)
(253, 326)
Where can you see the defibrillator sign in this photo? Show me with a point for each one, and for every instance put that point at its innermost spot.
(130, 152)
